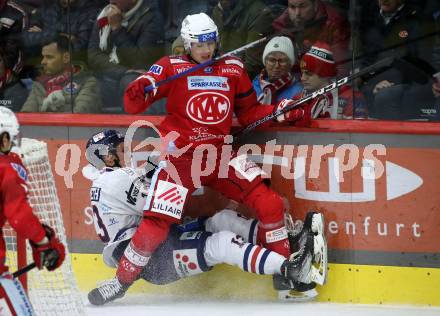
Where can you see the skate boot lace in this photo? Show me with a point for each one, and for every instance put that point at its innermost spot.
(110, 289)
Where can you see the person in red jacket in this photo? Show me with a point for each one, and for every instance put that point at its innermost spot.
(47, 250)
(200, 108)
(318, 70)
(309, 21)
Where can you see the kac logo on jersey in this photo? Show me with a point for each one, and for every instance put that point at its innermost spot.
(208, 70)
(169, 199)
(156, 69)
(208, 108)
(21, 171)
(208, 83)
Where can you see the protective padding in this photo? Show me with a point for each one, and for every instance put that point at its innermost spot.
(268, 206)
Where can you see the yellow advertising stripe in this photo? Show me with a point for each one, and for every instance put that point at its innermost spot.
(346, 283)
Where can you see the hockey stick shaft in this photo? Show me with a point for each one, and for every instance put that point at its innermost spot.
(205, 64)
(23, 270)
(314, 94)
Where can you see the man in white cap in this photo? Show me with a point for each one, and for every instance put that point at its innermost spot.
(277, 81)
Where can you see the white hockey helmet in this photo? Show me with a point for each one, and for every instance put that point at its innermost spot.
(198, 28)
(9, 124)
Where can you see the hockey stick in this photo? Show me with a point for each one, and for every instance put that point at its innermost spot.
(381, 63)
(23, 270)
(205, 64)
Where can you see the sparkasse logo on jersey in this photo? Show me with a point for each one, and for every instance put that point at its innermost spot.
(208, 108)
(208, 82)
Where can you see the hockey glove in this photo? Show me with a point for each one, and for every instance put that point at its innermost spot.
(291, 116)
(50, 252)
(135, 89)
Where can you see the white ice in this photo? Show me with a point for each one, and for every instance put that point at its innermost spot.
(136, 305)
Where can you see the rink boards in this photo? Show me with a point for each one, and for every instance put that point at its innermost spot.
(376, 182)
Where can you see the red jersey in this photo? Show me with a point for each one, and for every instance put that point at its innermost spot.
(14, 206)
(201, 105)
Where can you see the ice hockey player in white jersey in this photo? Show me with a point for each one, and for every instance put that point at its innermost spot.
(118, 196)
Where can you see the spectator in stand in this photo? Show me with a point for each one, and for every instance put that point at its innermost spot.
(13, 20)
(31, 4)
(64, 86)
(276, 6)
(399, 29)
(277, 80)
(13, 91)
(126, 38)
(308, 21)
(175, 11)
(318, 70)
(241, 22)
(71, 18)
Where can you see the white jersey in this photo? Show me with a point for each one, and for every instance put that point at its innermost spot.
(118, 198)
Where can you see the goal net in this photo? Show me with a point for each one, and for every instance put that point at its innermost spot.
(56, 292)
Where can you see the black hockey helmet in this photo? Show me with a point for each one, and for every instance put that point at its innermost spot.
(102, 144)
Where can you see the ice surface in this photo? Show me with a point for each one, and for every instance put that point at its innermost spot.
(137, 305)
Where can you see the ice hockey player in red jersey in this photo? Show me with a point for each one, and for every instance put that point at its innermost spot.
(200, 108)
(47, 250)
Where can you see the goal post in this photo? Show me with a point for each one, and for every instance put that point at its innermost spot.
(56, 292)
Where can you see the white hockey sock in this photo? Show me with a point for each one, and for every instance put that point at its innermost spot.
(227, 247)
(228, 220)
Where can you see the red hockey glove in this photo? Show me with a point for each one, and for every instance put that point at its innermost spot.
(291, 116)
(135, 90)
(49, 254)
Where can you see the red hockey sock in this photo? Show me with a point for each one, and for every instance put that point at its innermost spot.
(269, 208)
(150, 234)
(131, 264)
(274, 239)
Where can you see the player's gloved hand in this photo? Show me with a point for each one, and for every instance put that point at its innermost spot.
(49, 252)
(292, 115)
(136, 89)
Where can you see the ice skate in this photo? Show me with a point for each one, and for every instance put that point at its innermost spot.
(298, 267)
(297, 233)
(108, 291)
(291, 291)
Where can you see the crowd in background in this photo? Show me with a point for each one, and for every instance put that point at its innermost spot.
(79, 55)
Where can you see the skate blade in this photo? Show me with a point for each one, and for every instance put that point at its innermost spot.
(318, 272)
(297, 296)
(318, 224)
